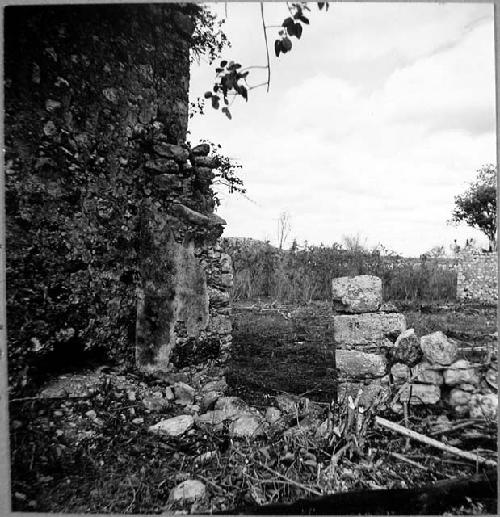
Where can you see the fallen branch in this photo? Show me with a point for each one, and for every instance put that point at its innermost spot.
(408, 460)
(460, 425)
(430, 499)
(433, 443)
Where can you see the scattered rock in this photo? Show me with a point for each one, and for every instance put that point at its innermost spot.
(169, 394)
(209, 399)
(247, 426)
(272, 414)
(188, 491)
(420, 394)
(184, 394)
(231, 405)
(359, 294)
(175, 426)
(438, 349)
(201, 150)
(459, 372)
(138, 420)
(352, 364)
(368, 329)
(155, 403)
(407, 349)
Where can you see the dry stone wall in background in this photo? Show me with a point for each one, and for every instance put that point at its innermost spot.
(477, 277)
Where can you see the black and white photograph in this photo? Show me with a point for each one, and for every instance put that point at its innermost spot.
(249, 258)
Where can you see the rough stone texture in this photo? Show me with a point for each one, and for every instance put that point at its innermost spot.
(352, 364)
(188, 491)
(421, 394)
(367, 329)
(438, 349)
(184, 394)
(400, 372)
(96, 102)
(484, 406)
(427, 373)
(458, 397)
(407, 349)
(460, 372)
(156, 403)
(477, 277)
(247, 426)
(175, 426)
(272, 414)
(357, 294)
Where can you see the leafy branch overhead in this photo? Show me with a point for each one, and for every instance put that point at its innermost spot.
(231, 78)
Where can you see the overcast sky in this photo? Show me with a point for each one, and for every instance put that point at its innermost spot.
(374, 121)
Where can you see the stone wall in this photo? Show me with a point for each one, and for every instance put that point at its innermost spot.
(111, 237)
(477, 277)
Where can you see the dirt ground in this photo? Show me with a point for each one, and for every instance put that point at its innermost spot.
(118, 467)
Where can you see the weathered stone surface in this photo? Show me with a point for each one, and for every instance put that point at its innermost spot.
(368, 393)
(407, 349)
(175, 426)
(427, 373)
(388, 307)
(421, 394)
(188, 491)
(155, 403)
(367, 329)
(196, 218)
(438, 349)
(176, 152)
(272, 414)
(460, 372)
(215, 385)
(231, 404)
(359, 294)
(484, 406)
(205, 161)
(247, 426)
(201, 150)
(352, 364)
(184, 394)
(400, 372)
(209, 399)
(458, 397)
(162, 166)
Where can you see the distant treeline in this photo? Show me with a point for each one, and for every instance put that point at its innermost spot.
(302, 275)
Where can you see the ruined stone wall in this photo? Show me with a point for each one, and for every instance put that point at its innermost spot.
(111, 238)
(477, 277)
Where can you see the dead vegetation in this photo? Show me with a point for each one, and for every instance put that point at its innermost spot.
(94, 454)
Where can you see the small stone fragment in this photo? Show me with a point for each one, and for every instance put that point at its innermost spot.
(184, 394)
(272, 414)
(175, 426)
(155, 403)
(400, 372)
(407, 349)
(247, 426)
(459, 397)
(188, 491)
(427, 373)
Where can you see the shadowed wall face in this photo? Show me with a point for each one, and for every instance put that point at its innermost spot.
(96, 100)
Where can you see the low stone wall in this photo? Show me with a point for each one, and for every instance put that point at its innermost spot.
(477, 277)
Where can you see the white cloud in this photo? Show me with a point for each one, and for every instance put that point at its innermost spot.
(349, 148)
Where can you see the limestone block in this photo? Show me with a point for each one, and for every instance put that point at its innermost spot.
(417, 394)
(459, 397)
(357, 294)
(352, 364)
(460, 372)
(367, 329)
(247, 426)
(438, 349)
(162, 166)
(400, 372)
(184, 394)
(201, 150)
(484, 406)
(427, 373)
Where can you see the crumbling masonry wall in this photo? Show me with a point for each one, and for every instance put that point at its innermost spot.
(477, 277)
(111, 237)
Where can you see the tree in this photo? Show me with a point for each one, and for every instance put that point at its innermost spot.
(477, 206)
(355, 243)
(284, 228)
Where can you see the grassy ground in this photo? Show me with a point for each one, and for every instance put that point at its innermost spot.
(118, 467)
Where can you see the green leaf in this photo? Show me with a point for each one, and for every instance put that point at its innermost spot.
(226, 112)
(215, 102)
(207, 95)
(303, 19)
(321, 5)
(286, 45)
(223, 63)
